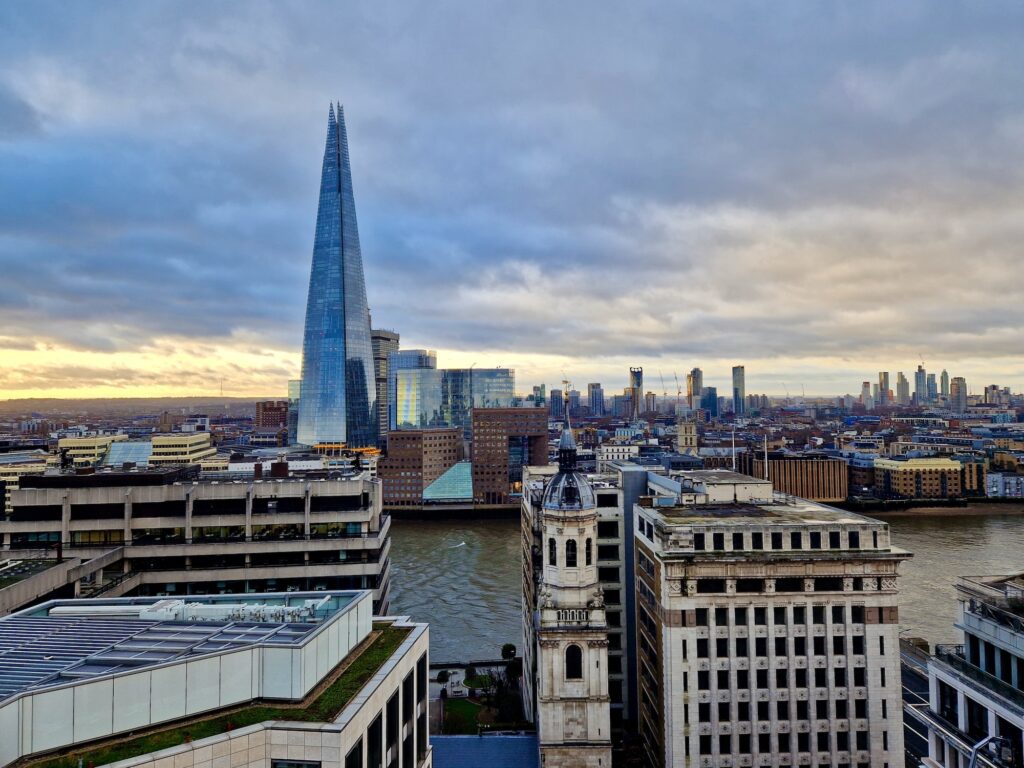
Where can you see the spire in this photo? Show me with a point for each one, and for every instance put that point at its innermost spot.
(330, 115)
(567, 451)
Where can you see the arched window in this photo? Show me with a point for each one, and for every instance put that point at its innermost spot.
(589, 554)
(573, 663)
(552, 552)
(570, 553)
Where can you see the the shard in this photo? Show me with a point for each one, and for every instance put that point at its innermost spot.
(338, 400)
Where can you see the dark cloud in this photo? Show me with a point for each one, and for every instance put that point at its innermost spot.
(649, 180)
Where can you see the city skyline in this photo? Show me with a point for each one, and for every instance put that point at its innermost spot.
(815, 228)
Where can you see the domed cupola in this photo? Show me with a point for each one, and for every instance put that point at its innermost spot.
(568, 490)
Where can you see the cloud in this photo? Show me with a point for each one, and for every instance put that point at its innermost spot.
(805, 189)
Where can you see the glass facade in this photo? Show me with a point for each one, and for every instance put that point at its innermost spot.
(421, 396)
(417, 398)
(468, 388)
(339, 396)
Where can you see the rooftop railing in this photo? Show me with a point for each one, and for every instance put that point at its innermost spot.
(953, 656)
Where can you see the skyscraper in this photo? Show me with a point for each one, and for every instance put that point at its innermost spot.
(920, 386)
(384, 343)
(944, 383)
(694, 387)
(339, 393)
(739, 390)
(902, 389)
(636, 392)
(883, 388)
(595, 398)
(933, 390)
(958, 395)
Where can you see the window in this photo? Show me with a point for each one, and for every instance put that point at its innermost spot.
(702, 648)
(741, 616)
(698, 542)
(780, 646)
(833, 540)
(737, 541)
(607, 529)
(777, 540)
(838, 614)
(570, 553)
(723, 679)
(589, 554)
(354, 758)
(722, 647)
(552, 552)
(573, 663)
(796, 540)
(779, 615)
(718, 541)
(815, 539)
(704, 712)
(854, 539)
(757, 540)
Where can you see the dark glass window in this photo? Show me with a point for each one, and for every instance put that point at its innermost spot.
(573, 663)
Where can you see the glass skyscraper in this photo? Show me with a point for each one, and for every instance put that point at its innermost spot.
(339, 395)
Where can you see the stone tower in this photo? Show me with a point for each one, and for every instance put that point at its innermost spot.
(573, 717)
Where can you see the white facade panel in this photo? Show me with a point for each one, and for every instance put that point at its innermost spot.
(277, 673)
(167, 693)
(132, 701)
(52, 711)
(203, 689)
(9, 735)
(94, 708)
(236, 677)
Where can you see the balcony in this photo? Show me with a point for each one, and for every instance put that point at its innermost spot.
(953, 657)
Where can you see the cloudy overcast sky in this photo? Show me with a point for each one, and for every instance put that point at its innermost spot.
(817, 190)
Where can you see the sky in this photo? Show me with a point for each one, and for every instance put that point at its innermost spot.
(816, 190)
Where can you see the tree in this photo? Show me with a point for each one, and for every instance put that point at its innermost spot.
(508, 651)
(442, 677)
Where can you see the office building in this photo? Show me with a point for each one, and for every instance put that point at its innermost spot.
(416, 458)
(944, 383)
(883, 388)
(574, 403)
(170, 533)
(930, 478)
(181, 448)
(384, 343)
(463, 389)
(339, 391)
(709, 401)
(694, 388)
(932, 388)
(635, 392)
(866, 398)
(271, 414)
(595, 399)
(566, 666)
(920, 386)
(902, 390)
(767, 630)
(739, 390)
(294, 393)
(958, 395)
(414, 397)
(85, 451)
(504, 440)
(248, 681)
(808, 475)
(976, 687)
(12, 466)
(557, 404)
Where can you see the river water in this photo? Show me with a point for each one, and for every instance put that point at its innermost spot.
(464, 577)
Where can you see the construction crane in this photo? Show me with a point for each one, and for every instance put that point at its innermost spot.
(679, 390)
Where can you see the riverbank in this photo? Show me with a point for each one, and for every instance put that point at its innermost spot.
(968, 506)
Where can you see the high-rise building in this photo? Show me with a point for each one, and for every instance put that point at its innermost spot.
(883, 388)
(557, 404)
(569, 697)
(920, 386)
(709, 401)
(812, 476)
(595, 398)
(339, 392)
(650, 403)
(958, 394)
(294, 394)
(384, 344)
(416, 458)
(932, 388)
(865, 396)
(635, 390)
(271, 414)
(414, 389)
(902, 390)
(463, 389)
(767, 634)
(739, 390)
(694, 387)
(504, 440)
(944, 383)
(574, 402)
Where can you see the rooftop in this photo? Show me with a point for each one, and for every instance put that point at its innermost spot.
(65, 641)
(783, 510)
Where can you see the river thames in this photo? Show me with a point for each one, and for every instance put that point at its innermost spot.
(464, 576)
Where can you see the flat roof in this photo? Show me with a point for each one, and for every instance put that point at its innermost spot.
(40, 648)
(715, 475)
(787, 510)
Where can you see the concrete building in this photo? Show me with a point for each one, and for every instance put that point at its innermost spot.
(416, 458)
(181, 449)
(13, 466)
(271, 414)
(808, 475)
(566, 682)
(739, 390)
(958, 395)
(86, 451)
(75, 673)
(686, 436)
(606, 453)
(505, 440)
(167, 532)
(998, 485)
(932, 478)
(384, 344)
(767, 629)
(976, 688)
(595, 399)
(635, 393)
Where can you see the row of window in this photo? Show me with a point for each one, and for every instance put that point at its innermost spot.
(756, 541)
(741, 615)
(783, 710)
(571, 553)
(741, 646)
(783, 743)
(840, 678)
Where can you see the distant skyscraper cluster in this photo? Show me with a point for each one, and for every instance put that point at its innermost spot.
(929, 390)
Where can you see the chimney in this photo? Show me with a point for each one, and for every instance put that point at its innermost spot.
(257, 471)
(279, 469)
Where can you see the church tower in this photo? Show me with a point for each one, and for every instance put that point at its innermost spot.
(573, 712)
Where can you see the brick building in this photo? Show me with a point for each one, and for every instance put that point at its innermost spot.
(504, 439)
(416, 458)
